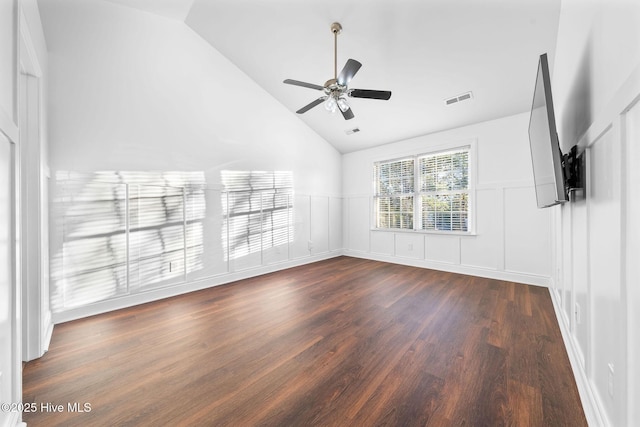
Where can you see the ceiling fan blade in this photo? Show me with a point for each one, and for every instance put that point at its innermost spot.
(350, 69)
(371, 94)
(311, 105)
(303, 84)
(348, 114)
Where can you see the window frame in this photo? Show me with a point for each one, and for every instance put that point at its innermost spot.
(392, 195)
(253, 186)
(470, 145)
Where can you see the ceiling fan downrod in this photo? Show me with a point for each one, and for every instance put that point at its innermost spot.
(336, 29)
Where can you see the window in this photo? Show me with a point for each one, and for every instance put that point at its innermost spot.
(257, 209)
(444, 191)
(395, 193)
(124, 232)
(425, 192)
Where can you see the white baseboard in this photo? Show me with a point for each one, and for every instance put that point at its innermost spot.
(509, 276)
(13, 419)
(593, 409)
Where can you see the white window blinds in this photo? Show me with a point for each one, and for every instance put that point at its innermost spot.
(444, 190)
(258, 208)
(394, 193)
(424, 192)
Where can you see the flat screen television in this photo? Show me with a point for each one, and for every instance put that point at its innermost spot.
(548, 172)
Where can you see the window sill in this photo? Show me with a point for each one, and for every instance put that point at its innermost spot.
(437, 232)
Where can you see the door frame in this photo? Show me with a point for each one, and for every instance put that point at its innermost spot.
(37, 326)
(7, 136)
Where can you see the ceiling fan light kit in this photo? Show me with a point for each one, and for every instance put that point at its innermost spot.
(336, 90)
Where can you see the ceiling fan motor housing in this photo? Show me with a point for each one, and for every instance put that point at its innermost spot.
(332, 86)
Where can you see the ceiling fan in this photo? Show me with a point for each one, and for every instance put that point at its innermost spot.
(336, 89)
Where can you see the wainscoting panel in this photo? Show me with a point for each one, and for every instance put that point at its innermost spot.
(319, 224)
(335, 224)
(358, 223)
(410, 245)
(383, 243)
(481, 250)
(444, 249)
(512, 240)
(598, 315)
(527, 233)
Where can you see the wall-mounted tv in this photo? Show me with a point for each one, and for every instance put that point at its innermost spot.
(548, 173)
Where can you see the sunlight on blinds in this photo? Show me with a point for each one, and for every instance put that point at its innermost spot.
(423, 192)
(444, 187)
(258, 211)
(125, 231)
(394, 187)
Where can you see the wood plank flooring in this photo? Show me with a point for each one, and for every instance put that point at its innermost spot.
(342, 342)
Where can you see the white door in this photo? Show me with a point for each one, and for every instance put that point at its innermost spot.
(8, 350)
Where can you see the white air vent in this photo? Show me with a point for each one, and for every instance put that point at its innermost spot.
(454, 100)
(352, 131)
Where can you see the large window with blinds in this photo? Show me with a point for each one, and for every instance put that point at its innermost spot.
(394, 193)
(428, 192)
(257, 209)
(125, 232)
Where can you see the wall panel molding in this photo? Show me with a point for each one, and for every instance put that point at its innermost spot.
(590, 402)
(597, 274)
(508, 276)
(444, 251)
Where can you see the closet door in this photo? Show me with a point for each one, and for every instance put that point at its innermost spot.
(7, 283)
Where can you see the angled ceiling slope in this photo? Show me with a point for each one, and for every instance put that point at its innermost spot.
(173, 9)
(424, 51)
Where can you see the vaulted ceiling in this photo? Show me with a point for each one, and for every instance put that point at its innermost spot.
(424, 51)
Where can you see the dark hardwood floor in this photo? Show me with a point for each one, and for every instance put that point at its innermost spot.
(343, 342)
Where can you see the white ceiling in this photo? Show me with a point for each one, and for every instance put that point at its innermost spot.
(173, 9)
(424, 51)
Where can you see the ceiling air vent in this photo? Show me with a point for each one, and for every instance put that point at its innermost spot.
(352, 131)
(459, 98)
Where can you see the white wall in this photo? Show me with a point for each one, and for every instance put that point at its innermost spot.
(596, 85)
(135, 92)
(513, 237)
